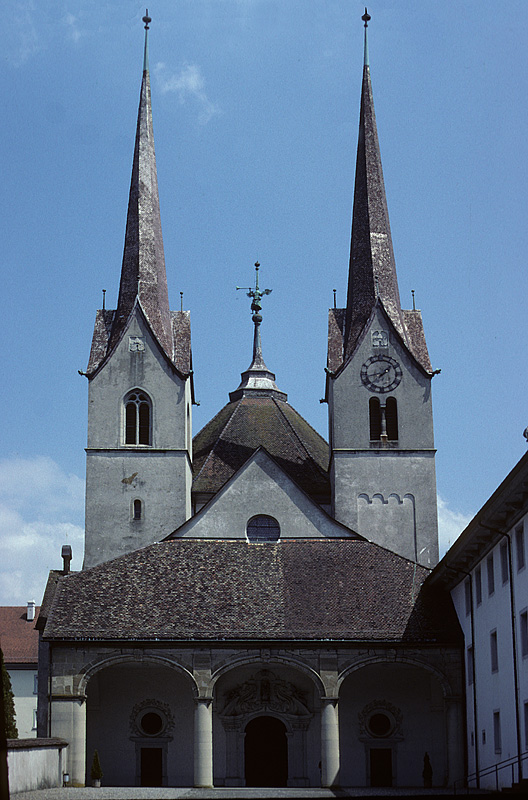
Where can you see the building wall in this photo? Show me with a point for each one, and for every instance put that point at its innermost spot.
(385, 490)
(25, 691)
(493, 686)
(117, 474)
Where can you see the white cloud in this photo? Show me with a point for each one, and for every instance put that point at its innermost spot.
(41, 508)
(188, 84)
(24, 40)
(450, 525)
(71, 25)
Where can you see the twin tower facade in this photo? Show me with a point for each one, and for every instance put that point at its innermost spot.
(142, 483)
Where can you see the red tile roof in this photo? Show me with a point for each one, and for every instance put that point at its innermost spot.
(18, 636)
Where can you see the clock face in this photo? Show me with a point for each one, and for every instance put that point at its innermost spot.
(381, 374)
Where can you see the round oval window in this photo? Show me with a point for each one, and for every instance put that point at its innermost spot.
(151, 723)
(263, 528)
(379, 724)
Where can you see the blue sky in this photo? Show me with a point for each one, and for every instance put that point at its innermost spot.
(256, 106)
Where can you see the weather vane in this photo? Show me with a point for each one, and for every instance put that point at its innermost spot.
(366, 17)
(256, 294)
(147, 19)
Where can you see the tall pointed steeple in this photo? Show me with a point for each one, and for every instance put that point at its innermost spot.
(372, 270)
(143, 273)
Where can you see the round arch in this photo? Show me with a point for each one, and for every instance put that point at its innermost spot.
(248, 661)
(91, 669)
(447, 689)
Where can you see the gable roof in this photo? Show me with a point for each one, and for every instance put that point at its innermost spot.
(192, 589)
(246, 424)
(18, 635)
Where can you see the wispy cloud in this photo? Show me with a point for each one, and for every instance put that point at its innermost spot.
(41, 508)
(450, 525)
(24, 40)
(189, 85)
(72, 27)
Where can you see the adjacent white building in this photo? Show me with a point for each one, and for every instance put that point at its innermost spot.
(19, 642)
(486, 571)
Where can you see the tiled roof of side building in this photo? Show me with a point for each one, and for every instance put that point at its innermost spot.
(241, 427)
(311, 590)
(18, 635)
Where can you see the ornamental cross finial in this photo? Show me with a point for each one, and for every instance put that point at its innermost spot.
(366, 17)
(147, 19)
(256, 294)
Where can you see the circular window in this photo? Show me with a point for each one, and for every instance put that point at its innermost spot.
(379, 724)
(151, 723)
(263, 529)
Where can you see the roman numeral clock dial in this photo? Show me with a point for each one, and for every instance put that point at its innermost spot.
(381, 374)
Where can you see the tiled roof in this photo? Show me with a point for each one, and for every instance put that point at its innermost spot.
(241, 427)
(18, 636)
(210, 589)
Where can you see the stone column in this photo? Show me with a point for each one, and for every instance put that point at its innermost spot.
(203, 742)
(329, 742)
(68, 721)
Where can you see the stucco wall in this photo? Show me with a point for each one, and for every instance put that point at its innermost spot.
(35, 764)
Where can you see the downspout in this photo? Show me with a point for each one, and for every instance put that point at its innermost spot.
(473, 668)
(514, 648)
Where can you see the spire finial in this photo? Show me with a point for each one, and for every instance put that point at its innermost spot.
(366, 17)
(256, 295)
(146, 20)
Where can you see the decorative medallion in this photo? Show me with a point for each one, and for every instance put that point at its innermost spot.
(379, 338)
(266, 692)
(136, 344)
(151, 718)
(380, 720)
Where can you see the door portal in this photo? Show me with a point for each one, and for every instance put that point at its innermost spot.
(381, 766)
(151, 766)
(266, 752)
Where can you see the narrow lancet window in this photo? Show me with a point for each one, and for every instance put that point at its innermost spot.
(138, 418)
(137, 509)
(391, 417)
(375, 419)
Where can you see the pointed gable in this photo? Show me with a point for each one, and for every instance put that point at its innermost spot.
(261, 487)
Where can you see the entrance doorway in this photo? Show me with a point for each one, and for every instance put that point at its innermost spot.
(381, 766)
(151, 766)
(266, 752)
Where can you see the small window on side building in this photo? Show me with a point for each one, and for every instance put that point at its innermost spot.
(491, 575)
(494, 652)
(519, 547)
(467, 596)
(505, 570)
(137, 509)
(478, 585)
(524, 633)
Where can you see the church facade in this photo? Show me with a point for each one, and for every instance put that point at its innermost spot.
(253, 608)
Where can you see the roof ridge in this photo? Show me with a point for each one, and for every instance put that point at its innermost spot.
(296, 435)
(212, 450)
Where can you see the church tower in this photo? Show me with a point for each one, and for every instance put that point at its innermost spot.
(379, 379)
(139, 451)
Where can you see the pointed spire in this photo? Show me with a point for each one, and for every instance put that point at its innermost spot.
(257, 379)
(143, 273)
(372, 271)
